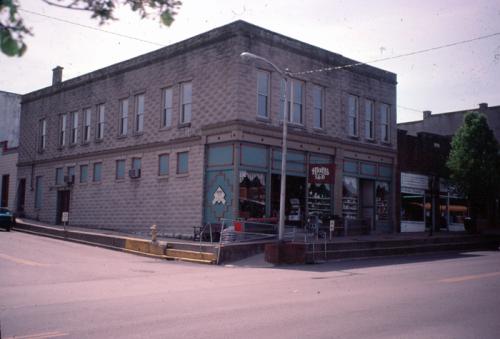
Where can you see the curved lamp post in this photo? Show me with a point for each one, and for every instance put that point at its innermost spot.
(284, 74)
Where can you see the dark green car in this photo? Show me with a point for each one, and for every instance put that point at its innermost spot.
(7, 219)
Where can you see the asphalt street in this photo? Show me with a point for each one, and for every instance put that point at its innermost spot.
(55, 289)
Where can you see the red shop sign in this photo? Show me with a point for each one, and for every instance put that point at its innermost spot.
(321, 173)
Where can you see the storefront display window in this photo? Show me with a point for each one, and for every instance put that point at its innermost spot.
(458, 210)
(350, 198)
(412, 207)
(252, 195)
(382, 201)
(319, 200)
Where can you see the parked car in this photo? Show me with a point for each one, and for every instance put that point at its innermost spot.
(7, 219)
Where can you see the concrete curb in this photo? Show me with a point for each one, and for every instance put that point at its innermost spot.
(114, 242)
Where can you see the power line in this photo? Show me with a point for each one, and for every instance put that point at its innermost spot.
(410, 109)
(93, 28)
(332, 68)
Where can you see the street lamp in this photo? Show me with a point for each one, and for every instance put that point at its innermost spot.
(284, 74)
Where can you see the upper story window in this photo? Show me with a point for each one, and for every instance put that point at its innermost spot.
(120, 169)
(87, 114)
(166, 117)
(71, 174)
(263, 94)
(352, 112)
(43, 135)
(123, 117)
(139, 113)
(186, 102)
(100, 122)
(318, 107)
(369, 121)
(385, 115)
(163, 165)
(295, 115)
(84, 173)
(74, 127)
(97, 173)
(182, 162)
(135, 172)
(63, 120)
(59, 176)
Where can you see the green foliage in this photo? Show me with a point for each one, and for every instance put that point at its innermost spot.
(13, 30)
(474, 160)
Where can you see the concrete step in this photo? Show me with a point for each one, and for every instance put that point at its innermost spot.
(192, 256)
(193, 246)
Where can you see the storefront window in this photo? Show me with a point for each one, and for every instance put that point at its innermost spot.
(458, 210)
(252, 195)
(350, 198)
(412, 207)
(382, 201)
(319, 200)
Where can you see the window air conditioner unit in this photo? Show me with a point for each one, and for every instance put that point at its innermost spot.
(134, 173)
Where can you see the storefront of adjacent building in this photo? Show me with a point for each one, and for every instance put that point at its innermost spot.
(427, 197)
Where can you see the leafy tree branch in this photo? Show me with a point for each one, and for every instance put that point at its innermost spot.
(13, 30)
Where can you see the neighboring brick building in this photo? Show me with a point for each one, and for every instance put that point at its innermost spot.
(447, 123)
(10, 111)
(191, 133)
(423, 148)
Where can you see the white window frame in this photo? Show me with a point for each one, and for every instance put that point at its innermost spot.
(369, 119)
(353, 115)
(74, 127)
(63, 122)
(291, 83)
(140, 102)
(168, 107)
(123, 121)
(263, 93)
(43, 134)
(318, 108)
(186, 111)
(100, 121)
(385, 110)
(87, 122)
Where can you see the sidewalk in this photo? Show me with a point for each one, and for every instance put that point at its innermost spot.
(211, 253)
(163, 248)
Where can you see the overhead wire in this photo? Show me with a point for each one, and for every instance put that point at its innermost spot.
(324, 69)
(93, 28)
(331, 68)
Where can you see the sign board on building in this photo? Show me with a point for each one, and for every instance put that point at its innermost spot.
(321, 173)
(415, 181)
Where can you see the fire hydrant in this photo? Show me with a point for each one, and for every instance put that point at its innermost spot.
(154, 233)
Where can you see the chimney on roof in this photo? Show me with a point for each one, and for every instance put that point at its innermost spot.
(57, 75)
(483, 107)
(427, 114)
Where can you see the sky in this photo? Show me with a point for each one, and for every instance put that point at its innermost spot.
(454, 78)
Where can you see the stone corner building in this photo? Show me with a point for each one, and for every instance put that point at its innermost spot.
(191, 133)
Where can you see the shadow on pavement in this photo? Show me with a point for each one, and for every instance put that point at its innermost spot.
(346, 264)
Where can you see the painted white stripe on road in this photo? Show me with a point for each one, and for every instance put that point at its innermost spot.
(21, 261)
(470, 277)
